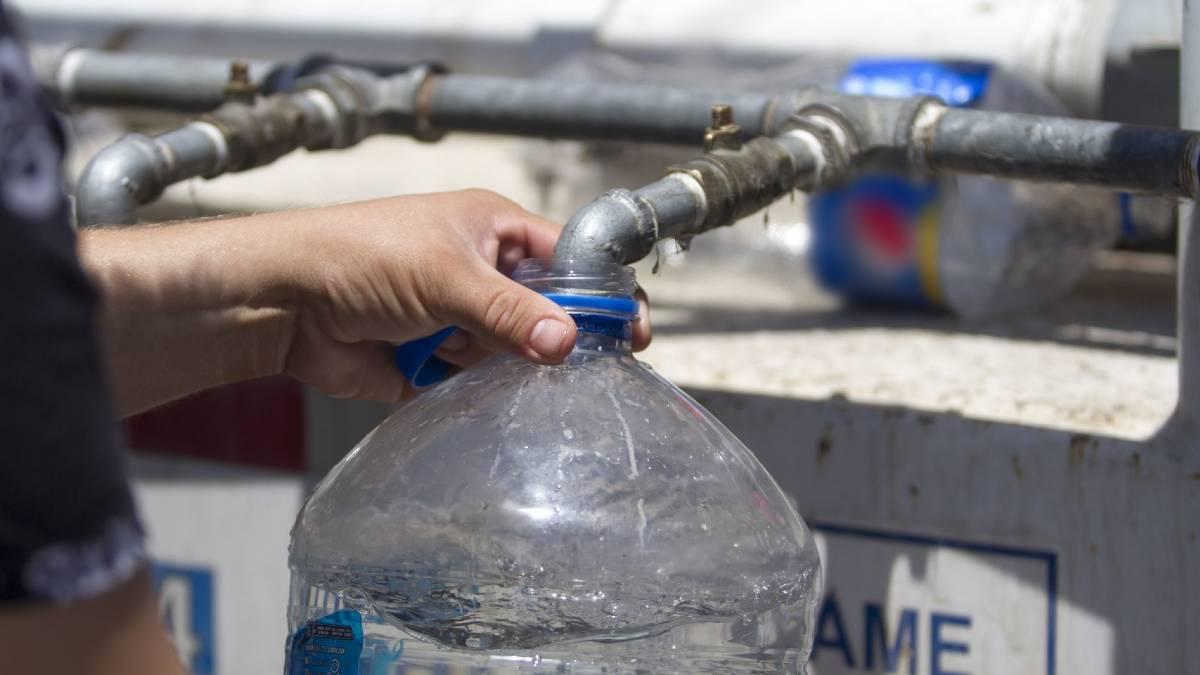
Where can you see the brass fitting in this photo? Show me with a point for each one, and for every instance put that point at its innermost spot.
(723, 133)
(239, 87)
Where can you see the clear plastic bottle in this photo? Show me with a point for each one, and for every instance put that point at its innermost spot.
(582, 518)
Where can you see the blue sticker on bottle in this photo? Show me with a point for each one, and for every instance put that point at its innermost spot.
(875, 239)
(331, 644)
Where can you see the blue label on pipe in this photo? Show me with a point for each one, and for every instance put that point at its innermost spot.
(332, 644)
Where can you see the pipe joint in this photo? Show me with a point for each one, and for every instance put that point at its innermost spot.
(739, 182)
(259, 133)
(402, 103)
(868, 133)
(620, 226)
(121, 176)
(351, 90)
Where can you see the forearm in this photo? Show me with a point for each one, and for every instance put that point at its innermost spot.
(188, 306)
(117, 633)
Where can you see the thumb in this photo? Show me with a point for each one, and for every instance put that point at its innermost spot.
(508, 315)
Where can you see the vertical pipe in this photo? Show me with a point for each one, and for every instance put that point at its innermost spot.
(1188, 300)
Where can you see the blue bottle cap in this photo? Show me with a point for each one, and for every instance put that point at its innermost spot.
(416, 360)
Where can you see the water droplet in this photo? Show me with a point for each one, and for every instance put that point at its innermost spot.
(568, 434)
(703, 526)
(529, 590)
(536, 660)
(557, 488)
(609, 608)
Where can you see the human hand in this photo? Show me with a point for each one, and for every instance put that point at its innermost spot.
(384, 272)
(322, 294)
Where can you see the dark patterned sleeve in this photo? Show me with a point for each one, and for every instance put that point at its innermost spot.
(68, 527)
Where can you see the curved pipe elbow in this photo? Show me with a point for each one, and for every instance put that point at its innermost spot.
(617, 227)
(117, 180)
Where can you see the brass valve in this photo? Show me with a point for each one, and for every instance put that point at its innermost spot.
(239, 87)
(723, 133)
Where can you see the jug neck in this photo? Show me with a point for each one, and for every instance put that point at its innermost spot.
(597, 295)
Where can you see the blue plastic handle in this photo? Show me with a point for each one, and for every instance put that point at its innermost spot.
(416, 360)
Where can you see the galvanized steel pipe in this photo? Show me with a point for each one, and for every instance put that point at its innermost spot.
(1187, 407)
(137, 168)
(581, 110)
(724, 185)
(1085, 152)
(79, 76)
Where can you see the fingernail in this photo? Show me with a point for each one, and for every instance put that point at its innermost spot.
(457, 342)
(548, 337)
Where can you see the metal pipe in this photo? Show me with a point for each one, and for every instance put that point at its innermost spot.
(924, 135)
(574, 110)
(1187, 407)
(724, 185)
(623, 225)
(137, 168)
(1031, 147)
(853, 132)
(78, 76)
(905, 134)
(582, 110)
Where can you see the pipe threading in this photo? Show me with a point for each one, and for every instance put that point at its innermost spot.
(739, 182)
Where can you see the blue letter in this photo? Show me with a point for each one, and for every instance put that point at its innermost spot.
(906, 638)
(937, 645)
(830, 613)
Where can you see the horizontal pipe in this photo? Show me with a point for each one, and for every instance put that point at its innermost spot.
(583, 110)
(1085, 152)
(79, 76)
(962, 141)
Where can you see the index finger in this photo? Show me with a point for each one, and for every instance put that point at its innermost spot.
(532, 234)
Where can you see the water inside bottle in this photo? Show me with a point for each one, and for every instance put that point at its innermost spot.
(421, 623)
